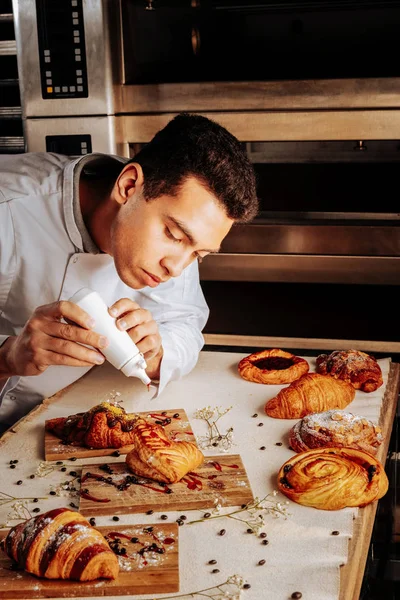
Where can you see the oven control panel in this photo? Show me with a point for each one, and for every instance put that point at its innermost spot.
(61, 40)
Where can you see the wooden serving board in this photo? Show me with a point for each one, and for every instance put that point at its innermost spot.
(218, 477)
(152, 573)
(179, 429)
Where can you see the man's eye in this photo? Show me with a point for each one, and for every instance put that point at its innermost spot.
(171, 236)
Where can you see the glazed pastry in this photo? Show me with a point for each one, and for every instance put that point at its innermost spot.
(335, 428)
(272, 366)
(309, 394)
(353, 366)
(157, 457)
(61, 544)
(333, 478)
(103, 426)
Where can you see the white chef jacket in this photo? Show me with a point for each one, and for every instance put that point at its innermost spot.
(46, 254)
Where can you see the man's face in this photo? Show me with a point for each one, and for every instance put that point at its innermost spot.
(152, 241)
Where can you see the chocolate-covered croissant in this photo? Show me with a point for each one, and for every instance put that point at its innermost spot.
(61, 544)
(157, 457)
(355, 367)
(335, 428)
(333, 478)
(103, 426)
(309, 394)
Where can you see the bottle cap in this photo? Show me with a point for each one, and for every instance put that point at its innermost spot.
(135, 367)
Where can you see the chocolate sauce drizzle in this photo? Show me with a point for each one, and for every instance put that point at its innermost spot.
(273, 363)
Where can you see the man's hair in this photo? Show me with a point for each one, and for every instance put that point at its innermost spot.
(195, 146)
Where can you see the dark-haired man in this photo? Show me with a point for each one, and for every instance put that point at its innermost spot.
(133, 231)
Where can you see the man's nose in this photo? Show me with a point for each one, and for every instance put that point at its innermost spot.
(174, 265)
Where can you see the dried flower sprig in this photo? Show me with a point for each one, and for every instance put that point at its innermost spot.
(6, 498)
(230, 589)
(252, 513)
(214, 438)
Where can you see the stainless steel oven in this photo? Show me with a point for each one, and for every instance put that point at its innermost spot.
(311, 88)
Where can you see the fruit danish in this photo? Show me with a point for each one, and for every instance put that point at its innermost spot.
(309, 394)
(355, 367)
(61, 544)
(103, 426)
(272, 366)
(157, 457)
(333, 478)
(335, 428)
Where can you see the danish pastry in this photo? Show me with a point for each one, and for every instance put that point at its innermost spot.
(355, 367)
(61, 544)
(335, 428)
(157, 457)
(333, 478)
(272, 366)
(103, 426)
(309, 394)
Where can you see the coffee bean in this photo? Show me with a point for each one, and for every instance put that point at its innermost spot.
(134, 540)
(180, 522)
(335, 532)
(149, 512)
(164, 517)
(36, 510)
(296, 595)
(183, 517)
(73, 505)
(222, 532)
(176, 415)
(207, 515)
(246, 586)
(212, 562)
(278, 443)
(63, 469)
(31, 477)
(72, 473)
(215, 571)
(260, 424)
(115, 518)
(12, 466)
(116, 453)
(255, 415)
(73, 458)
(52, 493)
(35, 500)
(92, 521)
(249, 530)
(265, 542)
(59, 462)
(263, 535)
(261, 562)
(262, 448)
(19, 482)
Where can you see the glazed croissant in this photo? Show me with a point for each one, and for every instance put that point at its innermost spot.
(103, 426)
(333, 478)
(61, 544)
(355, 367)
(157, 457)
(335, 428)
(309, 394)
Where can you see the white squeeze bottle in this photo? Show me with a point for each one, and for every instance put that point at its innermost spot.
(121, 351)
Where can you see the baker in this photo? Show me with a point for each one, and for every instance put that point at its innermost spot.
(134, 232)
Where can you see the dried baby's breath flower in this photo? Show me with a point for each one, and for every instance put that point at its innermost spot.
(230, 589)
(251, 514)
(214, 438)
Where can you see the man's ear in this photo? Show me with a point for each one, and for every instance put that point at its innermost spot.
(129, 182)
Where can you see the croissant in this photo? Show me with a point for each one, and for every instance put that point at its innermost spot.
(311, 393)
(61, 544)
(335, 428)
(157, 457)
(103, 426)
(355, 367)
(333, 478)
(272, 366)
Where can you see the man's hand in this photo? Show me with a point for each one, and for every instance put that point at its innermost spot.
(142, 329)
(46, 340)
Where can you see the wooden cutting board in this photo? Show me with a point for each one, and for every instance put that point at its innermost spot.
(218, 477)
(179, 429)
(139, 574)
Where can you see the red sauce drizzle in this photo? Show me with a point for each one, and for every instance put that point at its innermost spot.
(120, 486)
(192, 481)
(218, 466)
